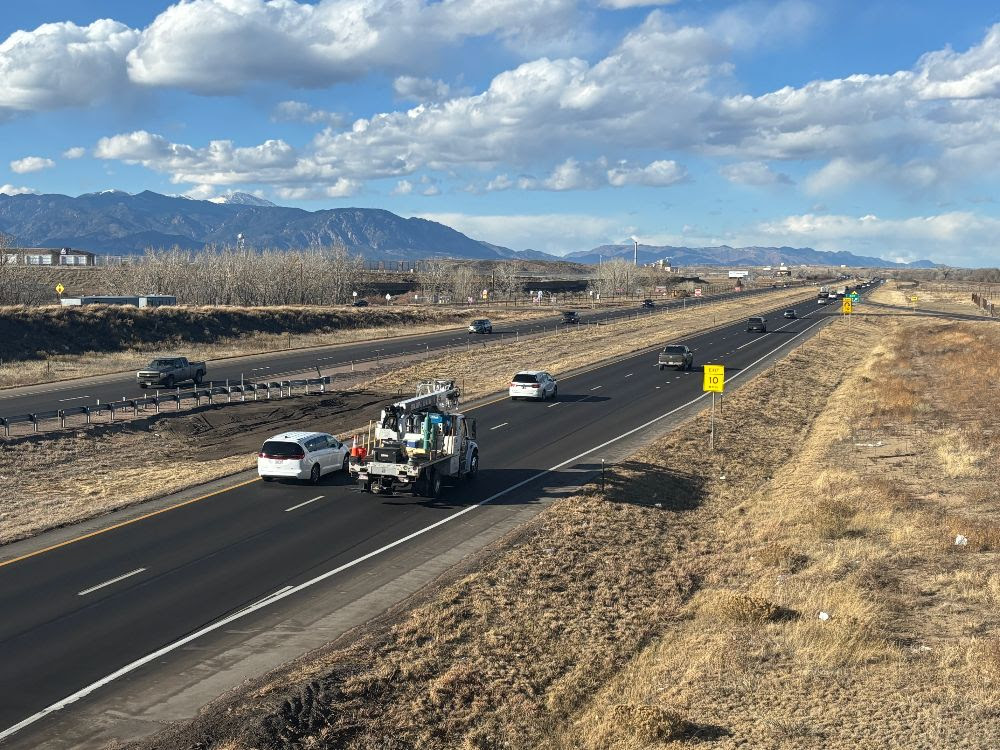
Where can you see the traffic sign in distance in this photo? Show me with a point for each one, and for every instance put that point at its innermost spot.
(847, 305)
(913, 298)
(715, 378)
(60, 288)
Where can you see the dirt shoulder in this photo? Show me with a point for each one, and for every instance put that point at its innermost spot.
(826, 579)
(59, 478)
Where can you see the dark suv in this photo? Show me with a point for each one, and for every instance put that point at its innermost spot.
(570, 316)
(648, 303)
(757, 324)
(481, 325)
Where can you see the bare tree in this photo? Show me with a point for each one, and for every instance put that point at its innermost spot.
(17, 285)
(434, 277)
(506, 281)
(614, 278)
(464, 283)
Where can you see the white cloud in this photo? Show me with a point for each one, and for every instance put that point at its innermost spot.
(555, 233)
(621, 4)
(31, 164)
(959, 237)
(403, 187)
(220, 46)
(9, 189)
(339, 188)
(755, 173)
(77, 152)
(63, 65)
(295, 111)
(424, 89)
(657, 174)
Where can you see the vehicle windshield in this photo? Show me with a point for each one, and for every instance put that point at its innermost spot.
(756, 320)
(523, 377)
(480, 322)
(162, 363)
(281, 449)
(673, 350)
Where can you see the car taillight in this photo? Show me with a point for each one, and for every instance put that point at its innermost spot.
(534, 385)
(294, 457)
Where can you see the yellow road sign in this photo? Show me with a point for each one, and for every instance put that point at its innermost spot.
(715, 378)
(60, 289)
(913, 298)
(847, 305)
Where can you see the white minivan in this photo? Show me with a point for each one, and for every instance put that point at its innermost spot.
(301, 455)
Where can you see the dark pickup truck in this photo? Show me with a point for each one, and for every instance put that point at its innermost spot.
(168, 371)
(757, 324)
(676, 355)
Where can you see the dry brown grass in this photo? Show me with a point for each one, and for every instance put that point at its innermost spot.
(928, 298)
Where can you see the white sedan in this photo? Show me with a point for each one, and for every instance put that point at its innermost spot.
(301, 455)
(534, 384)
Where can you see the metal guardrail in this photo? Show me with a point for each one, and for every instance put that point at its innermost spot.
(113, 409)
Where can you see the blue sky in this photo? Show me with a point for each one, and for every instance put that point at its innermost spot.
(557, 125)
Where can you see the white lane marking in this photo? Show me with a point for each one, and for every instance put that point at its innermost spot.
(754, 341)
(502, 424)
(555, 404)
(151, 657)
(629, 375)
(596, 387)
(73, 398)
(122, 577)
(296, 507)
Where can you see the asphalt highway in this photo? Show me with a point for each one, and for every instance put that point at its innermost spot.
(75, 614)
(274, 366)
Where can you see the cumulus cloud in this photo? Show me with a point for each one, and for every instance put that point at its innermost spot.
(221, 46)
(77, 152)
(424, 89)
(63, 65)
(295, 111)
(755, 173)
(9, 189)
(31, 164)
(403, 187)
(621, 4)
(657, 174)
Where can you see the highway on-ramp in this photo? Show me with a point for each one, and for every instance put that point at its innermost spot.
(279, 364)
(76, 614)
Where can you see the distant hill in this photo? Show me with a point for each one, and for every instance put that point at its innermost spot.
(117, 223)
(724, 255)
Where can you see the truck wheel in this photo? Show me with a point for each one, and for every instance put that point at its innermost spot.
(433, 484)
(661, 368)
(144, 385)
(198, 377)
(473, 471)
(314, 474)
(169, 382)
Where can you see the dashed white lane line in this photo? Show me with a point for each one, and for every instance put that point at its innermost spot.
(73, 398)
(122, 577)
(296, 507)
(555, 404)
(502, 424)
(629, 375)
(751, 342)
(596, 387)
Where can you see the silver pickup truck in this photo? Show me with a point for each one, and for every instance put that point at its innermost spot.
(166, 372)
(676, 355)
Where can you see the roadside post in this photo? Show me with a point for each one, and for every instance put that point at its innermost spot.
(714, 382)
(847, 307)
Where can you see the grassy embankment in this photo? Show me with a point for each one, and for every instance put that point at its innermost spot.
(683, 605)
(68, 477)
(928, 298)
(43, 344)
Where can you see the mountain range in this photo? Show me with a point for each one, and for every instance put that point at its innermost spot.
(113, 222)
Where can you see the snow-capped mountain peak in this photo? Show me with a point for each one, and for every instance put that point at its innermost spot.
(243, 199)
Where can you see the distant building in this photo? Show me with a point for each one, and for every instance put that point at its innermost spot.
(148, 300)
(49, 256)
(663, 263)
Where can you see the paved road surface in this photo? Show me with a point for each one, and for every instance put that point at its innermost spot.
(32, 399)
(77, 613)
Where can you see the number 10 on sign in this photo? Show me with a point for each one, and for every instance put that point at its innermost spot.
(715, 382)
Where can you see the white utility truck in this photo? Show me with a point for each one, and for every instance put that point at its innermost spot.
(417, 444)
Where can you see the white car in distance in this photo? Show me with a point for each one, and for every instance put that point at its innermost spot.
(301, 455)
(534, 384)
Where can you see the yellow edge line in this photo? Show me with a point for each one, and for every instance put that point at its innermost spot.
(125, 523)
(251, 481)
